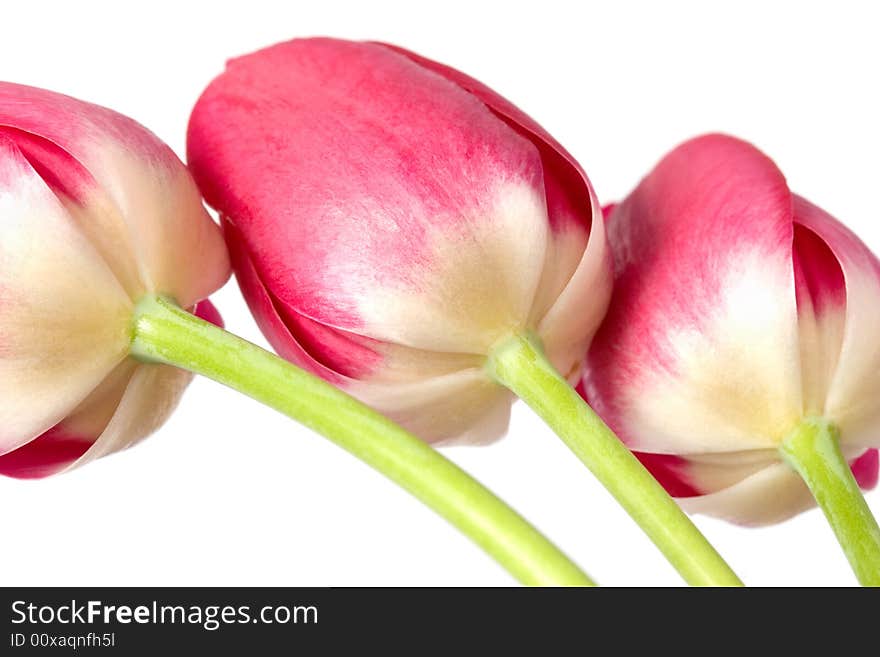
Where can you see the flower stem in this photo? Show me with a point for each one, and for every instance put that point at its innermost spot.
(165, 333)
(520, 364)
(813, 450)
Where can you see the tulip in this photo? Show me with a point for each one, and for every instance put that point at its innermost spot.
(406, 233)
(742, 338)
(96, 213)
(103, 243)
(397, 220)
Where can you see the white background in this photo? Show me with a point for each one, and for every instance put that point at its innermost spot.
(228, 492)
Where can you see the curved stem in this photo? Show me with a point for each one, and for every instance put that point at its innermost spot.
(167, 334)
(813, 450)
(520, 364)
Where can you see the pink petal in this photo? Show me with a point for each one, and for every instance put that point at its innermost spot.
(131, 195)
(59, 169)
(670, 471)
(568, 190)
(821, 305)
(698, 352)
(574, 291)
(819, 280)
(75, 127)
(265, 312)
(853, 397)
(44, 456)
(866, 469)
(363, 197)
(208, 312)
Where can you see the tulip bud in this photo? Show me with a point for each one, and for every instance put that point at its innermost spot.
(96, 213)
(739, 310)
(391, 219)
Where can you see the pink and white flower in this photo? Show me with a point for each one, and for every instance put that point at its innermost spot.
(390, 219)
(95, 213)
(739, 308)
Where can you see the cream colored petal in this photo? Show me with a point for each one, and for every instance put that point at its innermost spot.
(735, 381)
(854, 399)
(64, 319)
(710, 473)
(179, 248)
(400, 364)
(462, 407)
(568, 326)
(821, 336)
(479, 284)
(748, 488)
(93, 415)
(768, 496)
(149, 399)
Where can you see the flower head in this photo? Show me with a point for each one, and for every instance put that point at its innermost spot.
(739, 309)
(390, 219)
(96, 212)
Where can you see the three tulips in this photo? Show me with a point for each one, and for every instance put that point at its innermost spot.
(421, 253)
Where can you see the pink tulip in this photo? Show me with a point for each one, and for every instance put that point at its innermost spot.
(96, 213)
(390, 219)
(739, 309)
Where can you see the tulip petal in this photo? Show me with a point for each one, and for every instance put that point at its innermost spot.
(45, 455)
(59, 447)
(265, 312)
(821, 305)
(80, 194)
(463, 407)
(699, 350)
(576, 284)
(127, 189)
(207, 311)
(853, 399)
(570, 195)
(580, 306)
(771, 495)
(436, 396)
(671, 471)
(149, 398)
(703, 474)
(866, 469)
(757, 489)
(63, 316)
(388, 219)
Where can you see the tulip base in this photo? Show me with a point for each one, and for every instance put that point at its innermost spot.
(519, 364)
(813, 450)
(164, 333)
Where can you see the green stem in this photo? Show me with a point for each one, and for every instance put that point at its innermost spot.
(520, 364)
(167, 334)
(813, 450)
